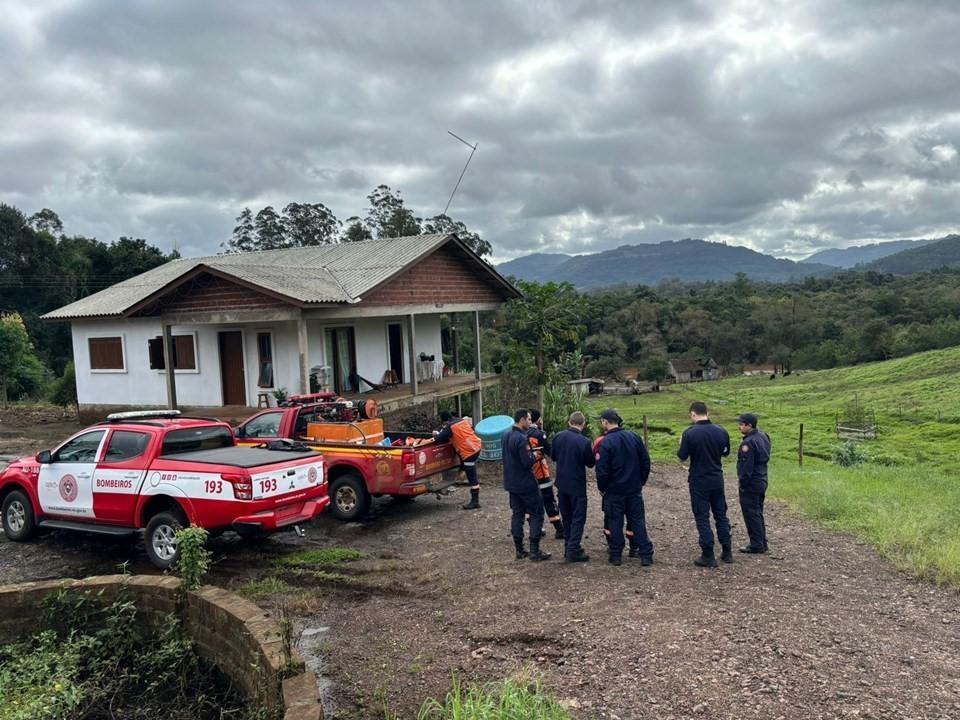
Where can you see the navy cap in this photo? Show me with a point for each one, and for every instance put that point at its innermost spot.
(747, 419)
(610, 415)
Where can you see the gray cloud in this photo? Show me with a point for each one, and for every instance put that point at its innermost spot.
(786, 127)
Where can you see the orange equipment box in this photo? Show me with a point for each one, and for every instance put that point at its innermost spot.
(361, 432)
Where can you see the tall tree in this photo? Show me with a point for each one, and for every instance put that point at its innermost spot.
(309, 224)
(356, 231)
(388, 217)
(547, 320)
(47, 221)
(269, 230)
(244, 238)
(444, 224)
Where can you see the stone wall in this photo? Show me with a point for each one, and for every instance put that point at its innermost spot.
(233, 633)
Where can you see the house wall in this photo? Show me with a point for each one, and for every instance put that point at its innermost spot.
(138, 385)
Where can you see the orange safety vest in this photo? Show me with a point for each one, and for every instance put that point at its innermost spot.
(541, 468)
(465, 440)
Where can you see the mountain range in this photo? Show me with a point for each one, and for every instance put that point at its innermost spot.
(693, 260)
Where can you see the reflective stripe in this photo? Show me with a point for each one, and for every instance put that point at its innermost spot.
(469, 464)
(545, 485)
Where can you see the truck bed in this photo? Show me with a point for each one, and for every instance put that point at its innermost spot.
(242, 457)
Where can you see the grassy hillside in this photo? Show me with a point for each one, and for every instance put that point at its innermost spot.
(906, 500)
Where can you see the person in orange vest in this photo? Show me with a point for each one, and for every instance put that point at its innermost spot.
(459, 431)
(541, 471)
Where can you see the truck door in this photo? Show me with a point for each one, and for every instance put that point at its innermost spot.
(65, 485)
(119, 475)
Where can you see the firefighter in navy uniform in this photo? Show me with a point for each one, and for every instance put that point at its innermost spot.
(541, 471)
(573, 454)
(526, 503)
(752, 459)
(459, 431)
(622, 468)
(705, 445)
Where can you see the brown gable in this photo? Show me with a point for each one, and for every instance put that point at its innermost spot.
(205, 293)
(447, 275)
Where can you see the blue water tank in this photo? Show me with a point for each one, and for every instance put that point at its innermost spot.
(491, 431)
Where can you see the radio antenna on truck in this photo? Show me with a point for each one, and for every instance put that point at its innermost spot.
(473, 149)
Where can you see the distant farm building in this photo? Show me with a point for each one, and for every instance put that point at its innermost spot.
(751, 370)
(693, 369)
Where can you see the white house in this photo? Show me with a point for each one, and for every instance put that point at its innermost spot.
(226, 329)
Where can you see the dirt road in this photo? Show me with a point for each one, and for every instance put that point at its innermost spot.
(820, 628)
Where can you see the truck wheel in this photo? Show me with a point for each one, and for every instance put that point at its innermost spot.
(160, 537)
(349, 499)
(18, 520)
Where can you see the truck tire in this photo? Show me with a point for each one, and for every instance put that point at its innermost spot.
(19, 522)
(160, 537)
(349, 499)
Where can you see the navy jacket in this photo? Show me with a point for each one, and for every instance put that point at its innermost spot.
(623, 463)
(752, 459)
(572, 454)
(518, 463)
(705, 444)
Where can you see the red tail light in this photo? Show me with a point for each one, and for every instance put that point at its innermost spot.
(242, 486)
(409, 462)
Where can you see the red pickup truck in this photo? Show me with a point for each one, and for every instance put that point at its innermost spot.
(357, 472)
(159, 472)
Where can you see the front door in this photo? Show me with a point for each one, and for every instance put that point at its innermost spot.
(65, 485)
(395, 338)
(232, 377)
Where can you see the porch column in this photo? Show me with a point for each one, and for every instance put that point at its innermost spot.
(412, 339)
(168, 359)
(478, 393)
(302, 344)
(455, 339)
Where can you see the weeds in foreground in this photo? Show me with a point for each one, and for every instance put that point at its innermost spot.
(320, 557)
(514, 699)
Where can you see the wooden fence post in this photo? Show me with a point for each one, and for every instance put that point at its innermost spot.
(801, 445)
(646, 432)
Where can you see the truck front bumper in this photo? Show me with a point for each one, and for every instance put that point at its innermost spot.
(283, 517)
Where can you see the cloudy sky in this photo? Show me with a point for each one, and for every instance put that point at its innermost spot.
(782, 126)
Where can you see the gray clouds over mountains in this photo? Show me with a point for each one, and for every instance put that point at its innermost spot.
(786, 127)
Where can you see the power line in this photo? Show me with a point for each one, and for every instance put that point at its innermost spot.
(473, 149)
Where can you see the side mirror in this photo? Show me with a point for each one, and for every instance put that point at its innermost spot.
(44, 458)
(241, 431)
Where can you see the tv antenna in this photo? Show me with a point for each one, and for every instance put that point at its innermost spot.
(473, 149)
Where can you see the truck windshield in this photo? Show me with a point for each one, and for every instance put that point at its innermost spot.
(197, 438)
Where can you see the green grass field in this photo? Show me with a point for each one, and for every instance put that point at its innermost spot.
(905, 500)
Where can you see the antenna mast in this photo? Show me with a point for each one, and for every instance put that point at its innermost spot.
(473, 149)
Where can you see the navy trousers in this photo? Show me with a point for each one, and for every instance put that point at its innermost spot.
(751, 503)
(703, 501)
(550, 503)
(469, 467)
(616, 508)
(573, 511)
(526, 506)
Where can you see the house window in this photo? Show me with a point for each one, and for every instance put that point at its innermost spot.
(106, 353)
(265, 355)
(184, 353)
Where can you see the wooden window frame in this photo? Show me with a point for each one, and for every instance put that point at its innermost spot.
(195, 370)
(123, 353)
(273, 359)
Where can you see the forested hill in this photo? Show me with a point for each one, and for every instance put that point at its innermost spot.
(688, 260)
(862, 254)
(942, 253)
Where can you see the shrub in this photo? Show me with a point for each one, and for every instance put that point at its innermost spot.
(194, 557)
(63, 390)
(849, 454)
(607, 367)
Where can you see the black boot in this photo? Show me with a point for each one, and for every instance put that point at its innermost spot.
(727, 555)
(558, 528)
(474, 503)
(578, 556)
(634, 552)
(615, 560)
(706, 558)
(536, 555)
(521, 550)
(752, 550)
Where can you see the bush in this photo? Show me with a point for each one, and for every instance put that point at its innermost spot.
(607, 367)
(849, 454)
(194, 557)
(63, 390)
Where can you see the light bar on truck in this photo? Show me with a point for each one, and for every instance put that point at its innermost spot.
(141, 414)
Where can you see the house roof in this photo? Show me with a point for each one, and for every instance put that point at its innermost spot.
(325, 274)
(690, 364)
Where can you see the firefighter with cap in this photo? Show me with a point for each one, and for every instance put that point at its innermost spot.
(459, 431)
(526, 503)
(752, 459)
(541, 471)
(622, 468)
(705, 445)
